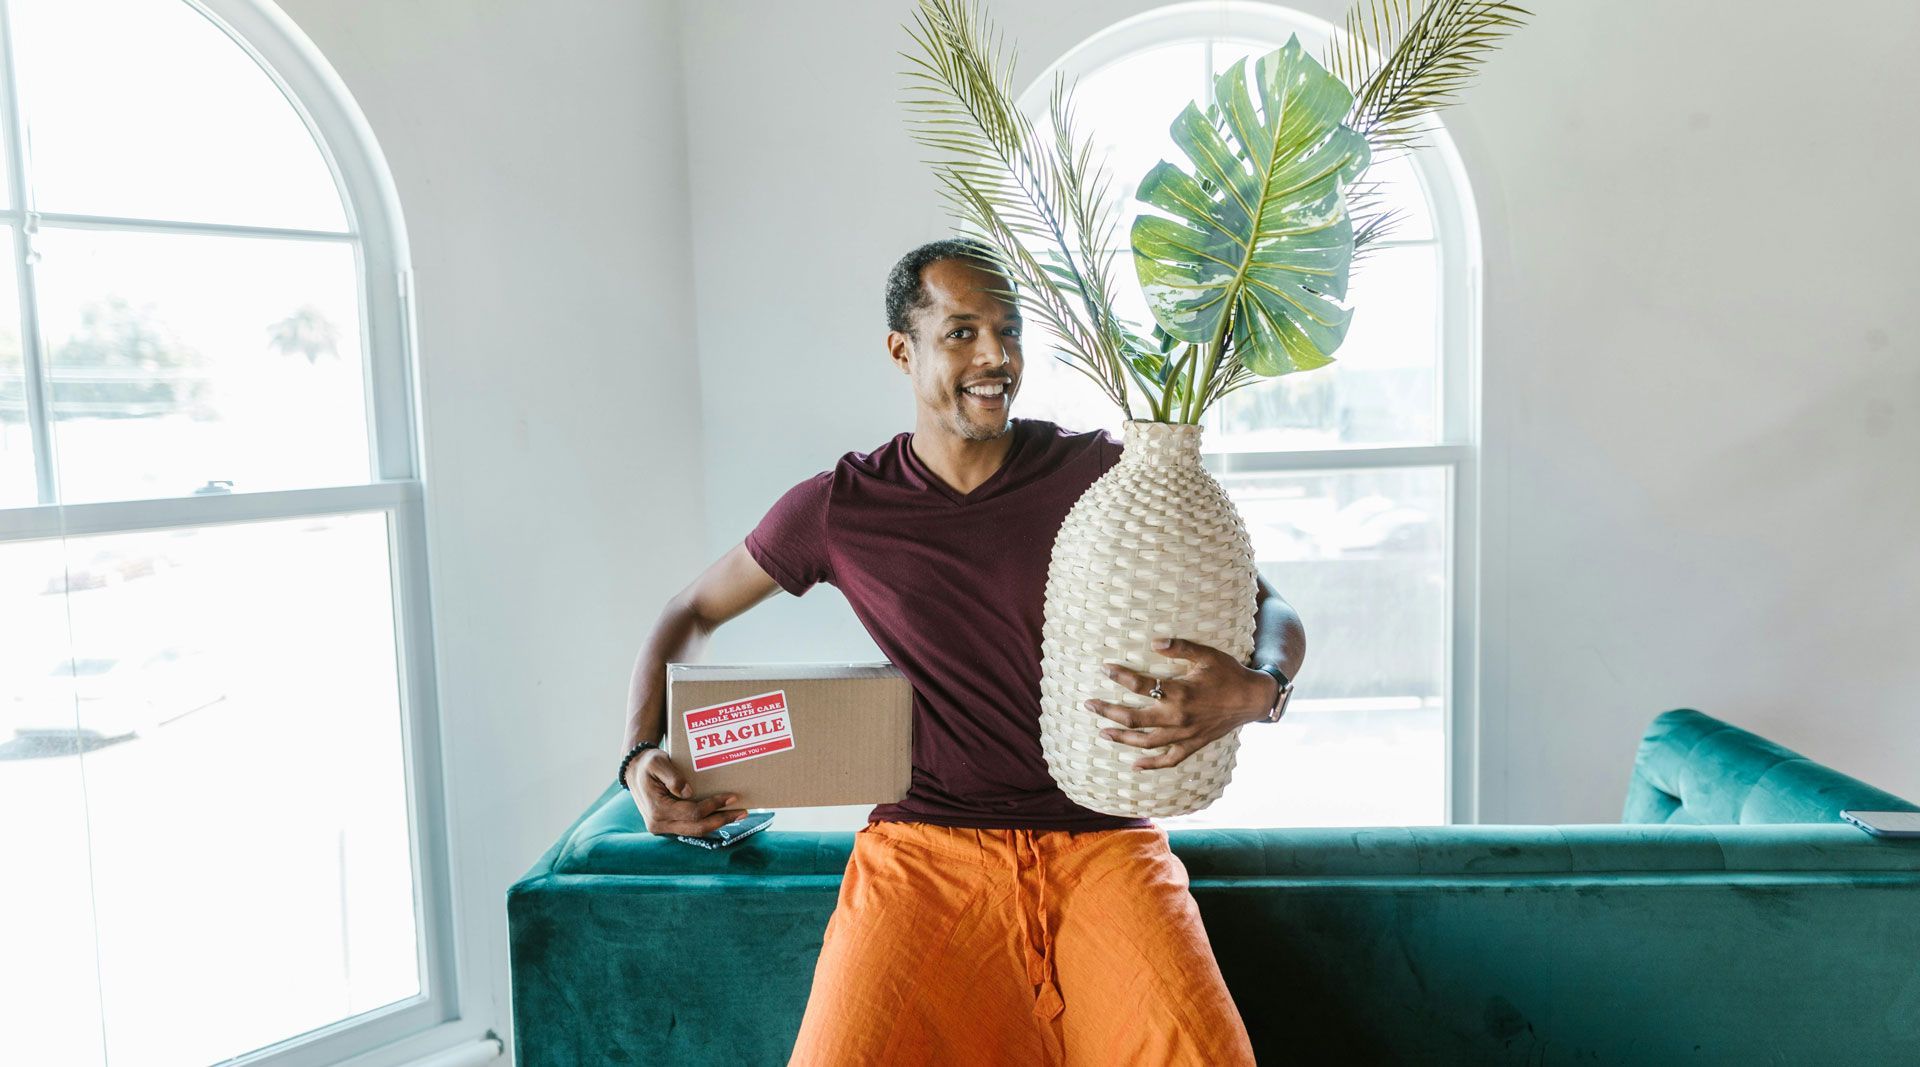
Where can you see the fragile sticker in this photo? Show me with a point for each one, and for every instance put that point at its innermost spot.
(739, 730)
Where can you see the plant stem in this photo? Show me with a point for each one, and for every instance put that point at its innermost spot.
(1189, 362)
(1196, 406)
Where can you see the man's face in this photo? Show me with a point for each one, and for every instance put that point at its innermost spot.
(964, 353)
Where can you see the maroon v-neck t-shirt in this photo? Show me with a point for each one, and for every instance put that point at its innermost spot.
(952, 587)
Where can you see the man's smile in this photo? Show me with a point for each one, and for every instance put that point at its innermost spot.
(988, 394)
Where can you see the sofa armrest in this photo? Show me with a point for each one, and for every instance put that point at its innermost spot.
(1694, 768)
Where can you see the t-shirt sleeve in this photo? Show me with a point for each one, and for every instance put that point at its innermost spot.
(1106, 450)
(790, 543)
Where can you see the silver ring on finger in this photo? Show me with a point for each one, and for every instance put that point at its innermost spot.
(1156, 692)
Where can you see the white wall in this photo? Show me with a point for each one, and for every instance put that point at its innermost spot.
(537, 150)
(1700, 379)
(1701, 382)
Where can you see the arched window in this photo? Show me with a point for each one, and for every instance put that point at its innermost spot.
(1356, 480)
(217, 762)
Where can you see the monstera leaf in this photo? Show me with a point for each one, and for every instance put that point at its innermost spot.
(1260, 230)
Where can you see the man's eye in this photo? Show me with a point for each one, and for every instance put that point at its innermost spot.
(958, 332)
(1012, 331)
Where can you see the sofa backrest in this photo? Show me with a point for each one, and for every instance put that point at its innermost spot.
(1786, 943)
(1694, 768)
(1657, 943)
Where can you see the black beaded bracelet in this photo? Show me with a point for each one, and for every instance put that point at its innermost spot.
(621, 775)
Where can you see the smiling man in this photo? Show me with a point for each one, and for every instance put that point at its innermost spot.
(985, 917)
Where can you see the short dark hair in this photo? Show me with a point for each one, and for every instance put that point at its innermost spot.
(907, 291)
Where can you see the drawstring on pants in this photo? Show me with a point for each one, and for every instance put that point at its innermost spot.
(1040, 972)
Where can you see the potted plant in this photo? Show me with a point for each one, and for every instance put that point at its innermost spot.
(1245, 269)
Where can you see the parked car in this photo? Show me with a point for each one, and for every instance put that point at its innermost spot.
(106, 567)
(107, 697)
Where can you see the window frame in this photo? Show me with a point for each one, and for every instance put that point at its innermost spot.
(436, 1019)
(1456, 241)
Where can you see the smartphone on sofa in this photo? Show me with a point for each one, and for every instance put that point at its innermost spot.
(732, 833)
(1885, 823)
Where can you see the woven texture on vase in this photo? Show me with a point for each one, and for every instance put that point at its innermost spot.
(1153, 549)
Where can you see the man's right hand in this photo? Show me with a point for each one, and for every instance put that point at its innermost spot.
(666, 801)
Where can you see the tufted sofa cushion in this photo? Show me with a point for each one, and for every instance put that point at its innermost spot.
(1693, 768)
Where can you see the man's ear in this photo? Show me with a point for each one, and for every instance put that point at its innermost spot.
(900, 347)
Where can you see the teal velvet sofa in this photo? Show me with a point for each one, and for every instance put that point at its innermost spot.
(1730, 918)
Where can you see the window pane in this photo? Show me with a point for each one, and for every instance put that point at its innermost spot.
(49, 993)
(1362, 556)
(1381, 389)
(145, 109)
(16, 441)
(1126, 110)
(246, 801)
(179, 362)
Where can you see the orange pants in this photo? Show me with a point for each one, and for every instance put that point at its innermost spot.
(1017, 947)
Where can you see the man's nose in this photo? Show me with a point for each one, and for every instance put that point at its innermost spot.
(993, 353)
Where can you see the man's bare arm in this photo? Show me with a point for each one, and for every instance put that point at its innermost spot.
(725, 590)
(1278, 635)
(722, 592)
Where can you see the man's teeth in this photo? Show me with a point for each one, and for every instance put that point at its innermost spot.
(986, 390)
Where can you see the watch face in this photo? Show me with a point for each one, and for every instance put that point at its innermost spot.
(1280, 707)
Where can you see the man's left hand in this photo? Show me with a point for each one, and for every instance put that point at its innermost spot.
(1217, 694)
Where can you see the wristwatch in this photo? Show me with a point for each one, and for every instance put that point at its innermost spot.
(1279, 698)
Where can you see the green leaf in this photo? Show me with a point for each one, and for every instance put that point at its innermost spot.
(1163, 341)
(1406, 59)
(1259, 228)
(1151, 365)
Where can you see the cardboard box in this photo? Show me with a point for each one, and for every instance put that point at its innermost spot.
(792, 734)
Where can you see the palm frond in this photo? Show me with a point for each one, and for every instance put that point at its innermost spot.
(1372, 221)
(1405, 59)
(997, 178)
(1039, 294)
(1085, 184)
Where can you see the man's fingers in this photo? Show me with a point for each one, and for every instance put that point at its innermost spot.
(720, 818)
(690, 810)
(695, 810)
(1126, 716)
(705, 824)
(706, 806)
(667, 773)
(1181, 648)
(694, 826)
(1175, 752)
(1144, 683)
(1140, 738)
(669, 815)
(672, 807)
(1128, 678)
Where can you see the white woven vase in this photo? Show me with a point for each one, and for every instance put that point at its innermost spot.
(1153, 549)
